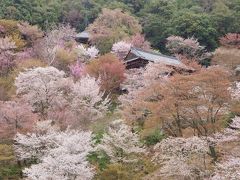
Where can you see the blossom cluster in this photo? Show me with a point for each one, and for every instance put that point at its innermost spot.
(59, 155)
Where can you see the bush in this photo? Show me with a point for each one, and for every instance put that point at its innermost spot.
(154, 138)
(231, 40)
(111, 26)
(10, 27)
(19, 42)
(27, 64)
(132, 171)
(10, 172)
(113, 172)
(226, 120)
(64, 58)
(11, 30)
(104, 44)
(8, 167)
(109, 70)
(227, 57)
(99, 159)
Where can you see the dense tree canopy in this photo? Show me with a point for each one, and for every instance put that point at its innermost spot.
(206, 20)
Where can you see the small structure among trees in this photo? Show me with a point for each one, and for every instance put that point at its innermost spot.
(83, 37)
(137, 58)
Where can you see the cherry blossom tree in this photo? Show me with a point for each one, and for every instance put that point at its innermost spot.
(156, 72)
(42, 88)
(77, 70)
(189, 63)
(175, 155)
(59, 155)
(112, 26)
(134, 79)
(229, 134)
(31, 33)
(115, 22)
(235, 91)
(26, 54)
(132, 86)
(235, 124)
(46, 48)
(6, 55)
(227, 57)
(158, 104)
(86, 54)
(139, 41)
(88, 102)
(121, 49)
(32, 146)
(229, 166)
(227, 169)
(189, 47)
(120, 143)
(189, 157)
(141, 77)
(92, 52)
(2, 29)
(47, 90)
(231, 40)
(137, 84)
(15, 117)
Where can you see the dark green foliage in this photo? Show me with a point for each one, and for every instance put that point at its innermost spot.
(100, 159)
(154, 138)
(195, 25)
(105, 44)
(227, 119)
(41, 12)
(10, 172)
(9, 169)
(213, 153)
(98, 136)
(203, 19)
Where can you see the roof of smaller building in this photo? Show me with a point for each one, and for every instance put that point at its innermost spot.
(154, 57)
(83, 34)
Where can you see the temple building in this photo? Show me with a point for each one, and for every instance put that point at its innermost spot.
(137, 58)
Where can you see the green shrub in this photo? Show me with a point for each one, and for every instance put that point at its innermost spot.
(105, 44)
(154, 138)
(98, 136)
(10, 172)
(99, 159)
(8, 167)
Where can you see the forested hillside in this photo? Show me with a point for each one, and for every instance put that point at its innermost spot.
(120, 89)
(206, 20)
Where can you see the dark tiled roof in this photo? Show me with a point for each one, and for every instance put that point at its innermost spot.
(83, 34)
(154, 57)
